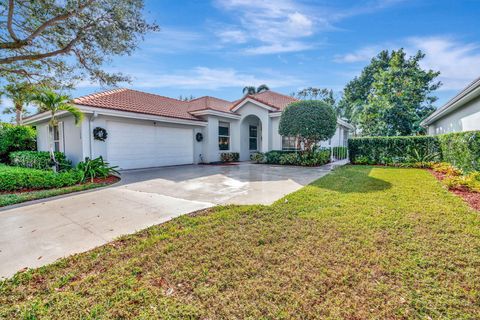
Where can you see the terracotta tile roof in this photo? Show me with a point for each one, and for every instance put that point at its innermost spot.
(209, 103)
(270, 98)
(147, 103)
(139, 102)
(274, 99)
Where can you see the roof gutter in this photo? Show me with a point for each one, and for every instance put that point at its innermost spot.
(116, 113)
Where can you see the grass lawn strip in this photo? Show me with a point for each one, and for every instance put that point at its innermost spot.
(7, 199)
(361, 242)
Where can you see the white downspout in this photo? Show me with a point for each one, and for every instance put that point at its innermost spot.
(90, 132)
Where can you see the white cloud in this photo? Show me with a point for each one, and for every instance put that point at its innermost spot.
(292, 46)
(275, 26)
(172, 40)
(361, 55)
(235, 36)
(278, 26)
(458, 62)
(209, 79)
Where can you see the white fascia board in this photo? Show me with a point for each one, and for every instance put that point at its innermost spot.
(345, 124)
(140, 116)
(449, 107)
(210, 112)
(116, 113)
(262, 105)
(40, 117)
(275, 114)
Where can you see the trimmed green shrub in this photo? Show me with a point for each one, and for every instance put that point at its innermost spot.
(290, 159)
(310, 120)
(39, 160)
(393, 150)
(17, 178)
(229, 156)
(461, 149)
(258, 157)
(298, 158)
(15, 138)
(273, 157)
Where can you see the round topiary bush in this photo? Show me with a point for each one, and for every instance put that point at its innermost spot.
(311, 121)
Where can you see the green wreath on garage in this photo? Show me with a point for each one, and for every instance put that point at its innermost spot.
(100, 134)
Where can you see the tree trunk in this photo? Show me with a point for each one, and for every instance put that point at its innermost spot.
(19, 114)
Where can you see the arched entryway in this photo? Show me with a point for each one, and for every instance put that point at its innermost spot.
(250, 136)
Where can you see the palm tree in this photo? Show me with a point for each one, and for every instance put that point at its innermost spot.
(252, 89)
(50, 101)
(249, 90)
(262, 88)
(19, 93)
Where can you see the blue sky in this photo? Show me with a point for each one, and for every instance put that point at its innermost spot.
(217, 47)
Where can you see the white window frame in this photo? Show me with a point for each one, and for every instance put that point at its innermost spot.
(253, 137)
(295, 140)
(221, 136)
(60, 140)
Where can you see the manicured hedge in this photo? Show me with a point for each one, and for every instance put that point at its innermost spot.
(273, 157)
(17, 178)
(38, 160)
(461, 149)
(15, 138)
(392, 150)
(298, 158)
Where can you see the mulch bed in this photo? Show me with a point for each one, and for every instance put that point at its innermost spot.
(106, 181)
(472, 198)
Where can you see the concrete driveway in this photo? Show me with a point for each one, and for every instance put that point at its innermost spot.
(42, 232)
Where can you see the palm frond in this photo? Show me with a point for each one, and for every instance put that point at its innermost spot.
(74, 111)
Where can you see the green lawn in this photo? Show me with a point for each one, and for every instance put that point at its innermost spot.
(8, 199)
(360, 243)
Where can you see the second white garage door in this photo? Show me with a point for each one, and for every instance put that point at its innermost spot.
(133, 146)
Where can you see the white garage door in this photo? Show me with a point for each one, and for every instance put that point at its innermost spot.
(132, 146)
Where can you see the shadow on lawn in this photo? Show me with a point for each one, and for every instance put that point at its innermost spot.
(358, 180)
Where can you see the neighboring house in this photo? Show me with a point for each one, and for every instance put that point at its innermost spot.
(147, 130)
(461, 113)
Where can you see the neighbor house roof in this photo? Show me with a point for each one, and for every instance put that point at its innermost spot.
(468, 93)
(139, 102)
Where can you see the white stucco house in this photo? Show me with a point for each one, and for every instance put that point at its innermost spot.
(147, 130)
(461, 113)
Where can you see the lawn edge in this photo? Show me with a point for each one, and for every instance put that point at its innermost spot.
(56, 197)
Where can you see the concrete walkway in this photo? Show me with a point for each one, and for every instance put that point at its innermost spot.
(40, 233)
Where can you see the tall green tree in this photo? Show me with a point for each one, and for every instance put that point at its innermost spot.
(67, 40)
(355, 94)
(391, 96)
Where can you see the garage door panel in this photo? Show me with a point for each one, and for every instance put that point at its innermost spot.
(133, 146)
